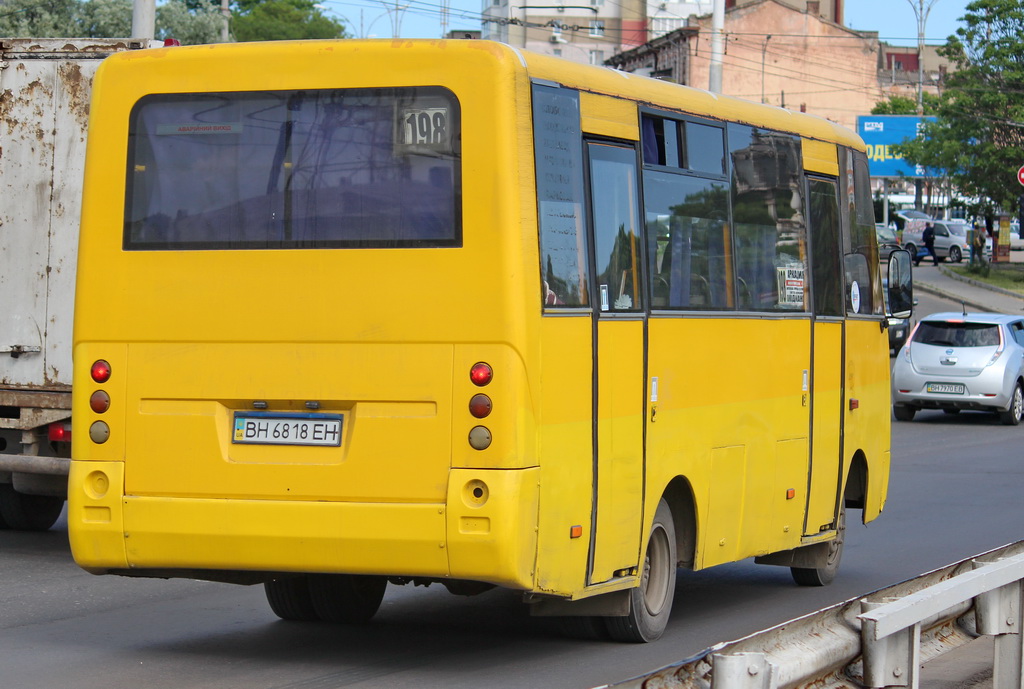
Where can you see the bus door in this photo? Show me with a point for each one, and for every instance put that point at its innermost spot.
(827, 356)
(619, 361)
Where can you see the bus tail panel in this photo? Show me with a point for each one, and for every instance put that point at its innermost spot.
(338, 422)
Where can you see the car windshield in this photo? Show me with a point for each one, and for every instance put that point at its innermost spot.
(957, 229)
(884, 234)
(943, 334)
(915, 214)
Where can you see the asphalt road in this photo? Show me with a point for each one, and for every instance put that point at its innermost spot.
(954, 492)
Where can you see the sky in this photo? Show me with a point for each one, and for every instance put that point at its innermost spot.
(894, 20)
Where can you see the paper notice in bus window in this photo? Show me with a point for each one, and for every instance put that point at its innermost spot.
(426, 128)
(791, 286)
(199, 128)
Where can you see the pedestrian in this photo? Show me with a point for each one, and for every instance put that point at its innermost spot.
(928, 237)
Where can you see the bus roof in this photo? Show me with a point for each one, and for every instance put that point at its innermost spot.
(587, 78)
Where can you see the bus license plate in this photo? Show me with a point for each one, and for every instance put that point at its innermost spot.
(946, 388)
(287, 429)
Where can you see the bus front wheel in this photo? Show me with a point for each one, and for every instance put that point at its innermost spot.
(347, 598)
(650, 603)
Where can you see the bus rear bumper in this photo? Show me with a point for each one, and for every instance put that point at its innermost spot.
(486, 532)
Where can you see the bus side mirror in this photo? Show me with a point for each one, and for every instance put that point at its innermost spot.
(900, 285)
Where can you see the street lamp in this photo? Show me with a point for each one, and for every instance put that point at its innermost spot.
(764, 49)
(921, 10)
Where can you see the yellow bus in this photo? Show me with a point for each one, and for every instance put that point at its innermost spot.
(358, 312)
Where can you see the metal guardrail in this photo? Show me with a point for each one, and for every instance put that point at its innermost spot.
(878, 640)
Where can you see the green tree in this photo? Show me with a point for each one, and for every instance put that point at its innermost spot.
(192, 22)
(978, 137)
(271, 20)
(901, 105)
(31, 18)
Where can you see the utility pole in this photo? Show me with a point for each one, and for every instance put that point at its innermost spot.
(921, 10)
(764, 49)
(717, 30)
(144, 19)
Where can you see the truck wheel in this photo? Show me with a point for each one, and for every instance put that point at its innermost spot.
(290, 600)
(28, 512)
(650, 604)
(347, 598)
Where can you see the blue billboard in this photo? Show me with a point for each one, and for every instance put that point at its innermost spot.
(880, 133)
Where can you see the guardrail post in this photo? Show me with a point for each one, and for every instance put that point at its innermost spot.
(894, 660)
(998, 613)
(740, 671)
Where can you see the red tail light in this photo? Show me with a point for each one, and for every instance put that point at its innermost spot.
(480, 406)
(99, 402)
(100, 371)
(59, 432)
(481, 374)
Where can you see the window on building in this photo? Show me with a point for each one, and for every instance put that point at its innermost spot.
(596, 27)
(597, 57)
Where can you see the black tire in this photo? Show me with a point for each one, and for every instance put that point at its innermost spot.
(28, 512)
(912, 250)
(587, 628)
(903, 412)
(290, 600)
(650, 603)
(346, 598)
(955, 255)
(1012, 416)
(823, 576)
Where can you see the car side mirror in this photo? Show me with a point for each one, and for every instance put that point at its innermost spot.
(901, 285)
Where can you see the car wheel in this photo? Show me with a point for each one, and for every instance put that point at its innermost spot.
(912, 250)
(23, 512)
(1012, 416)
(955, 255)
(650, 603)
(903, 412)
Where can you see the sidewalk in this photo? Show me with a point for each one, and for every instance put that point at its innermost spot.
(977, 296)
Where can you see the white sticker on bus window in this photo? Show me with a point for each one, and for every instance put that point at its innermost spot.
(855, 297)
(791, 285)
(604, 297)
(424, 126)
(199, 128)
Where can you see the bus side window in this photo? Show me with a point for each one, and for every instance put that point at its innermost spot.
(616, 226)
(767, 212)
(559, 159)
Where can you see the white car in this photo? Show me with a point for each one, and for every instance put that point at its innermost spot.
(962, 361)
(950, 240)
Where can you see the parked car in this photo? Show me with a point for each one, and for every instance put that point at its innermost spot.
(950, 240)
(961, 361)
(887, 241)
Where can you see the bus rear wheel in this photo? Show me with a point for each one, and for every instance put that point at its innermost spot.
(824, 575)
(346, 598)
(650, 603)
(290, 600)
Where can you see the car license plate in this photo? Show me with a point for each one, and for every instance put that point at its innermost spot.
(274, 428)
(946, 388)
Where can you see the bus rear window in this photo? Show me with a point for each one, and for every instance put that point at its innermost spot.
(295, 169)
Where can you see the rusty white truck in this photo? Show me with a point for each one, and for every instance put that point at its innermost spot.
(44, 106)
